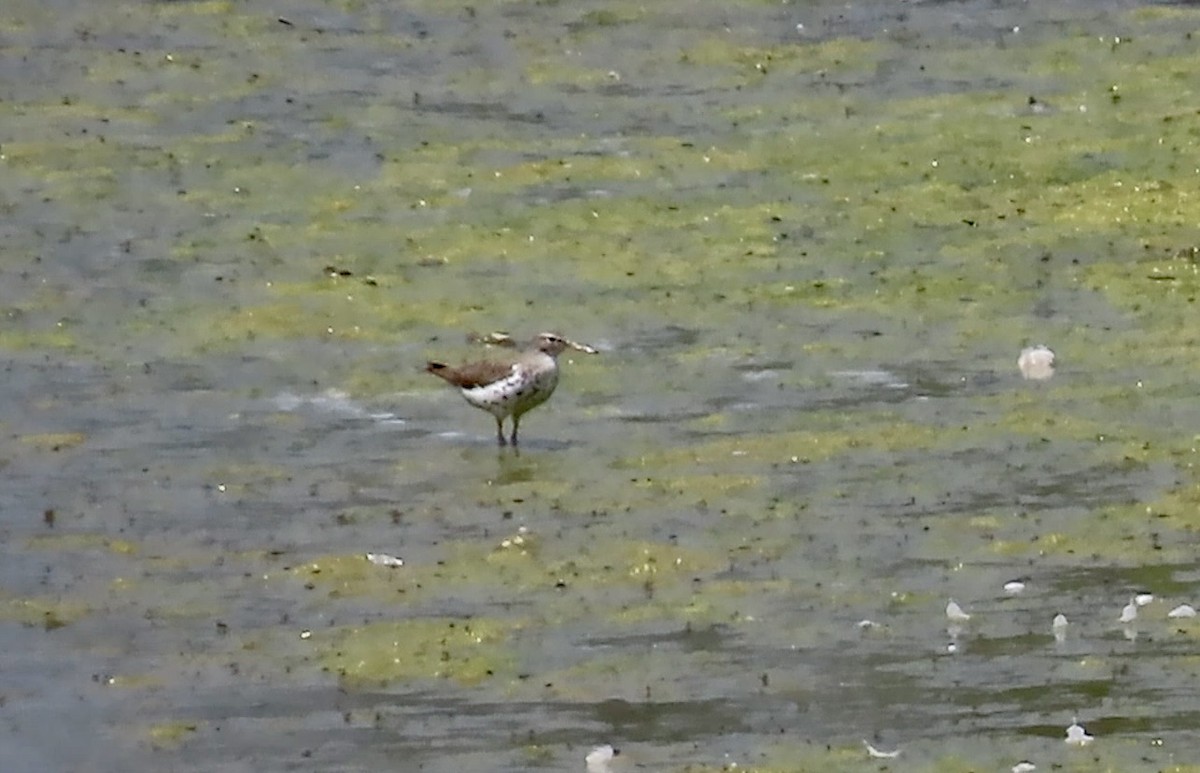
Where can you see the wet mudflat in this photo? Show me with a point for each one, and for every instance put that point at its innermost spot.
(810, 241)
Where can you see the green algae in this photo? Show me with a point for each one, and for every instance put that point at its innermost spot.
(54, 441)
(519, 562)
(134, 682)
(467, 651)
(837, 55)
(795, 447)
(941, 200)
(943, 218)
(85, 161)
(37, 340)
(341, 575)
(553, 72)
(171, 734)
(82, 541)
(234, 478)
(1176, 509)
(49, 613)
(1159, 289)
(714, 602)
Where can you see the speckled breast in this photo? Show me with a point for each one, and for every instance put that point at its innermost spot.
(526, 387)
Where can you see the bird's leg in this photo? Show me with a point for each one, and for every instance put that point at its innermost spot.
(516, 421)
(500, 432)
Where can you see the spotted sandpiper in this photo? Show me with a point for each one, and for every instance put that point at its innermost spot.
(512, 385)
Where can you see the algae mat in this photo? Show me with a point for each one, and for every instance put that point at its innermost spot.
(809, 239)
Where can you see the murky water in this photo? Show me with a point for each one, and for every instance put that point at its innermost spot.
(810, 241)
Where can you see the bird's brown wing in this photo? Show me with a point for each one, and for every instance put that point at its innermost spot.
(471, 375)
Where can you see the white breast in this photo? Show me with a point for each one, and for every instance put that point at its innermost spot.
(523, 389)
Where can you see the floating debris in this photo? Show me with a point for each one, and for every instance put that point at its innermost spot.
(1129, 613)
(521, 541)
(1183, 610)
(1014, 587)
(868, 378)
(1036, 362)
(880, 755)
(598, 758)
(1059, 627)
(955, 612)
(495, 338)
(1076, 735)
(383, 559)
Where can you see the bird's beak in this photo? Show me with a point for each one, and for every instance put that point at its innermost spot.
(582, 347)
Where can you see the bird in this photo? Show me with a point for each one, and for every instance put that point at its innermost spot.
(511, 385)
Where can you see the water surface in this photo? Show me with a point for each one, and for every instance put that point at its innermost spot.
(810, 240)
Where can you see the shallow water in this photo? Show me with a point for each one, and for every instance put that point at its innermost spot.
(810, 241)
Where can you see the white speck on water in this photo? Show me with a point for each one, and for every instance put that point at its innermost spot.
(1183, 610)
(881, 378)
(598, 758)
(1059, 627)
(1130, 612)
(1014, 587)
(880, 755)
(759, 375)
(955, 612)
(1036, 362)
(1024, 766)
(1142, 599)
(1077, 736)
(383, 559)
